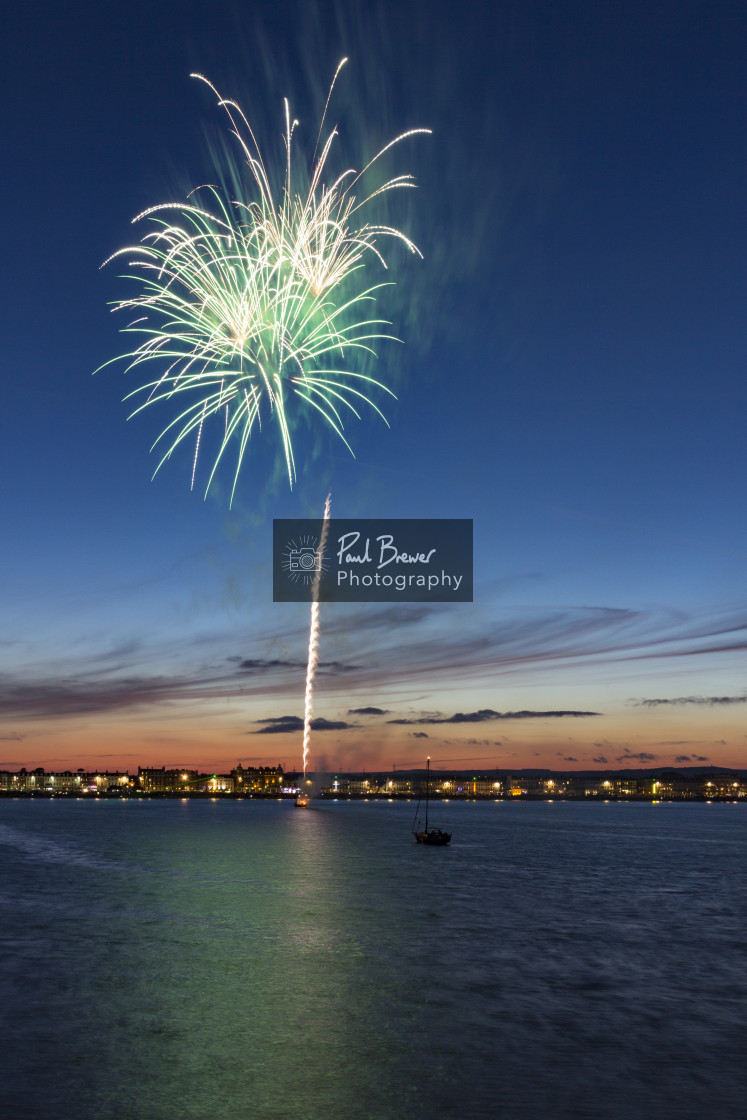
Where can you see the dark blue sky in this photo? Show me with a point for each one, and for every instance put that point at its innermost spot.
(572, 378)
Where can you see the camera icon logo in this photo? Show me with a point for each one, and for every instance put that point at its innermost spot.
(301, 561)
(304, 559)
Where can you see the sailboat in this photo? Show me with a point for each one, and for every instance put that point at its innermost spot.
(428, 835)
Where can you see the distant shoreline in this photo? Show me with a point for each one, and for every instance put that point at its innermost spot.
(574, 799)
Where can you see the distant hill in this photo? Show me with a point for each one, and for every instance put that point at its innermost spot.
(644, 772)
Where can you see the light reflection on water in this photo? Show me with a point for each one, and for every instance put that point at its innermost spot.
(231, 960)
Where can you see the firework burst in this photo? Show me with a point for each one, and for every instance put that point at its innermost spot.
(259, 303)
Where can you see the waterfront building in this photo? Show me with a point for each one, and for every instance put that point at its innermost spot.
(157, 779)
(107, 781)
(151, 779)
(399, 786)
(218, 783)
(257, 779)
(40, 780)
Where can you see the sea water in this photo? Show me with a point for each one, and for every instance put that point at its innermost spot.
(246, 960)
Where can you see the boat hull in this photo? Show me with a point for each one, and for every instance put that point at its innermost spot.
(435, 837)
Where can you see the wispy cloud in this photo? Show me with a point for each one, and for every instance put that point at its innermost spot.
(486, 714)
(49, 699)
(99, 690)
(639, 756)
(264, 665)
(700, 701)
(280, 725)
(437, 645)
(386, 619)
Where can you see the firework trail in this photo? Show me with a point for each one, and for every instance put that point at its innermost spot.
(314, 636)
(260, 300)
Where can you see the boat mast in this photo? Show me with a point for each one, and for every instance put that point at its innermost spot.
(427, 788)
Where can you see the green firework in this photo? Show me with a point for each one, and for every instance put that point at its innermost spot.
(252, 306)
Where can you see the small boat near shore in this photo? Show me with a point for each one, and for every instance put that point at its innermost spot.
(427, 835)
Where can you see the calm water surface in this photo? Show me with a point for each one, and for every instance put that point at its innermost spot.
(249, 961)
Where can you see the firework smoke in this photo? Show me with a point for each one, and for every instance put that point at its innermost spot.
(314, 636)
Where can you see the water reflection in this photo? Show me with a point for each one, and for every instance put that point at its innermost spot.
(164, 961)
